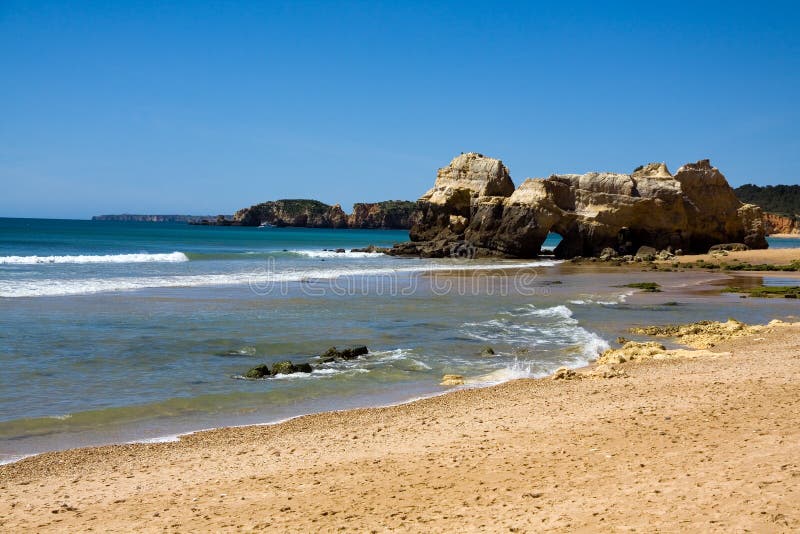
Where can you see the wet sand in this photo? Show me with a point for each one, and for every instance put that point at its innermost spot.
(708, 443)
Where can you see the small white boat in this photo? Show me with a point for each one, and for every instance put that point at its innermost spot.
(266, 225)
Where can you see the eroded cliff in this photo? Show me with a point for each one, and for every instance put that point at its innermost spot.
(474, 205)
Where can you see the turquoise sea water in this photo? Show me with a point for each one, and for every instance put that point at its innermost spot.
(112, 332)
(784, 242)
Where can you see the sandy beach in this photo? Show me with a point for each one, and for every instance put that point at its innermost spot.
(771, 256)
(705, 443)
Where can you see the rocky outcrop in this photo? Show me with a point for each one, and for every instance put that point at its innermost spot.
(474, 210)
(382, 215)
(779, 224)
(393, 214)
(293, 212)
(348, 353)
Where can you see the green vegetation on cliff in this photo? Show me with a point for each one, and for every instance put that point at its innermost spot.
(780, 199)
(316, 214)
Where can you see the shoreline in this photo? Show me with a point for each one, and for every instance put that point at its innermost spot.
(421, 460)
(785, 236)
(473, 382)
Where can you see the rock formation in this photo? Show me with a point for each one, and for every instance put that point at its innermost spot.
(293, 212)
(473, 209)
(395, 214)
(779, 224)
(387, 214)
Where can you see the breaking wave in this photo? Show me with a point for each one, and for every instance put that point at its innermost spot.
(258, 279)
(552, 333)
(172, 257)
(334, 254)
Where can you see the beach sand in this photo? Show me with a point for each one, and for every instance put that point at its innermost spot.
(785, 236)
(709, 443)
(773, 256)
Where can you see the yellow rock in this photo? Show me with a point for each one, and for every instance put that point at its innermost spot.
(703, 334)
(632, 350)
(452, 380)
(565, 373)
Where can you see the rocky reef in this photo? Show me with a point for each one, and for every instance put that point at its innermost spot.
(287, 367)
(392, 214)
(475, 210)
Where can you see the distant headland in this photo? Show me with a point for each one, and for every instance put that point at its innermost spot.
(304, 213)
(132, 217)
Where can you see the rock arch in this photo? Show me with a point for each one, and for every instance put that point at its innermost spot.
(474, 201)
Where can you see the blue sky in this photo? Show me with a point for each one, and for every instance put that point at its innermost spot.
(206, 107)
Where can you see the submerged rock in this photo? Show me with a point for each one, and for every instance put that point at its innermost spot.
(260, 371)
(349, 353)
(303, 368)
(371, 249)
(283, 368)
(452, 380)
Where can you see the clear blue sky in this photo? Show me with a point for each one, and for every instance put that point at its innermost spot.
(206, 107)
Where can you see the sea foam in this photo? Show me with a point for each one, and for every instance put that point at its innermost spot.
(333, 254)
(171, 257)
(261, 280)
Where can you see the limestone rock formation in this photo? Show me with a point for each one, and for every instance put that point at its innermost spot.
(396, 214)
(474, 210)
(293, 212)
(779, 224)
(387, 214)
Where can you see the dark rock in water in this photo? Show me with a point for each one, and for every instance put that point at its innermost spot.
(730, 247)
(283, 368)
(303, 368)
(473, 210)
(344, 354)
(329, 355)
(371, 249)
(354, 352)
(340, 251)
(259, 371)
(487, 351)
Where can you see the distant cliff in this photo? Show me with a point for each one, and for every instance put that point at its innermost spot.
(392, 214)
(387, 214)
(128, 217)
(778, 199)
(781, 205)
(779, 224)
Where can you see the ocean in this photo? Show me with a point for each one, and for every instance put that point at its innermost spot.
(114, 332)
